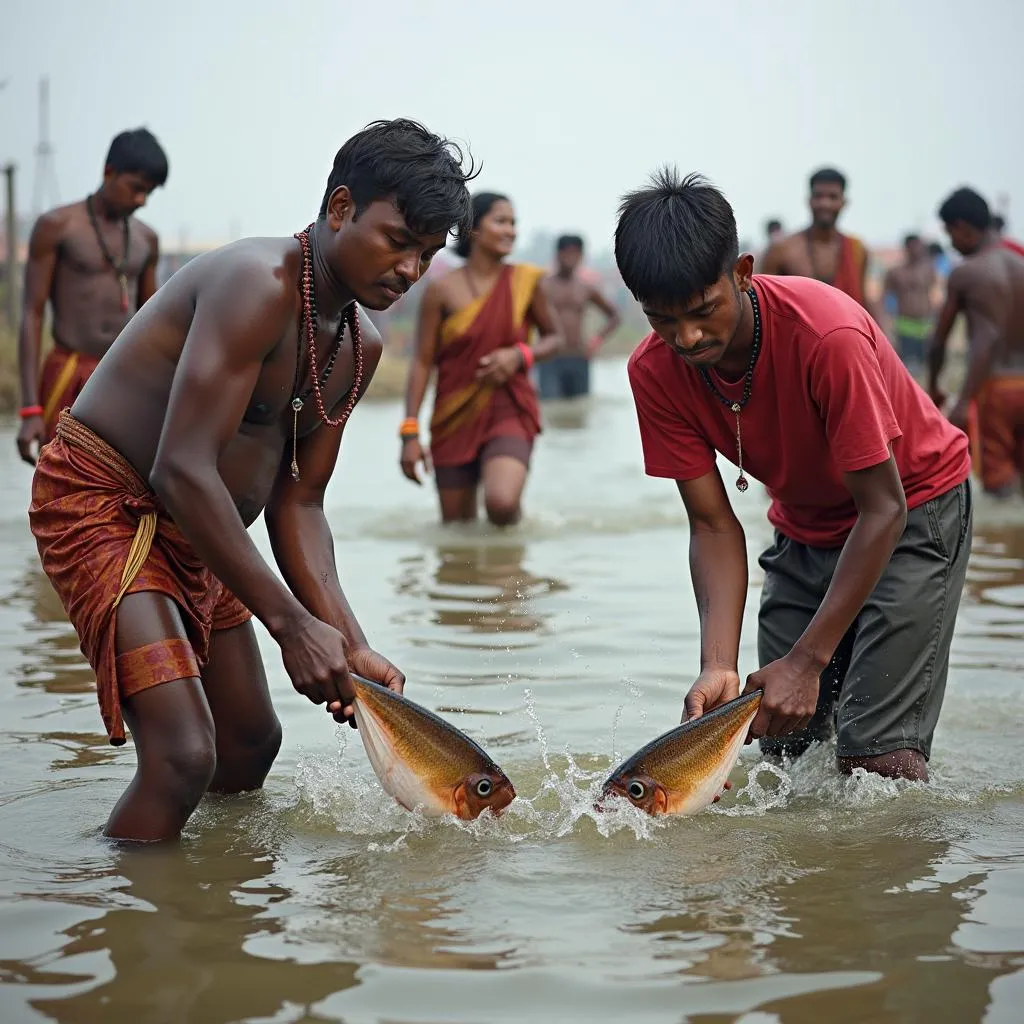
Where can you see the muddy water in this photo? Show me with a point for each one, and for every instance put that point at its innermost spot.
(561, 645)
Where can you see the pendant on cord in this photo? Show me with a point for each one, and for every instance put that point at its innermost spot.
(297, 404)
(741, 480)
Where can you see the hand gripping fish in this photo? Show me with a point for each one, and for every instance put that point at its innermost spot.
(422, 761)
(684, 769)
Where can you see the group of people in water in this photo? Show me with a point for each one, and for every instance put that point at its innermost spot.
(165, 421)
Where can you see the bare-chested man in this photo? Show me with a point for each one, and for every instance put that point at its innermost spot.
(822, 251)
(988, 286)
(911, 287)
(95, 263)
(223, 398)
(567, 375)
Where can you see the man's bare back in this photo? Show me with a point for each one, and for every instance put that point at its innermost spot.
(126, 398)
(989, 288)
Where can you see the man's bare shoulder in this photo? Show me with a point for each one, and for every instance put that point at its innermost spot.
(148, 232)
(53, 224)
(372, 341)
(267, 268)
(780, 254)
(791, 242)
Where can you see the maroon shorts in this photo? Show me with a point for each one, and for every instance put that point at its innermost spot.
(469, 473)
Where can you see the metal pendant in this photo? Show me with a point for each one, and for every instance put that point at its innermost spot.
(297, 404)
(741, 483)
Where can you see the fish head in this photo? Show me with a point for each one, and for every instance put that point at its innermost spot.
(489, 789)
(639, 789)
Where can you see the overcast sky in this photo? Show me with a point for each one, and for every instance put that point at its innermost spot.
(568, 104)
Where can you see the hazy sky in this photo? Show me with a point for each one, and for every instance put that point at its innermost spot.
(568, 104)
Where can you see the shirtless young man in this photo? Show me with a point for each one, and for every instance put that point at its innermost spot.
(567, 375)
(223, 398)
(988, 287)
(95, 263)
(796, 384)
(822, 251)
(911, 286)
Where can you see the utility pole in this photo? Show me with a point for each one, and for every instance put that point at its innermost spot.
(45, 184)
(12, 252)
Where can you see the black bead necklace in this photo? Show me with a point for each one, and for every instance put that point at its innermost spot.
(737, 407)
(120, 267)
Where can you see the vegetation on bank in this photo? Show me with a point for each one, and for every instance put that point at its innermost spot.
(8, 370)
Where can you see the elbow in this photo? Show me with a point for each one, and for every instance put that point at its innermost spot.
(894, 515)
(171, 481)
(721, 526)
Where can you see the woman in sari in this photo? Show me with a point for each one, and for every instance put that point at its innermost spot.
(474, 328)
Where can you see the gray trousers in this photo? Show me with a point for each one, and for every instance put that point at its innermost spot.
(883, 689)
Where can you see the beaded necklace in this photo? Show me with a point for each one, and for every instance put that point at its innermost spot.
(120, 268)
(737, 407)
(307, 325)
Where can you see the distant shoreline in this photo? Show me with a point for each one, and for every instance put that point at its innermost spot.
(389, 381)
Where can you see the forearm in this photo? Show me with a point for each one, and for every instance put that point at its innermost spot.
(936, 361)
(979, 368)
(29, 344)
(718, 568)
(546, 346)
(300, 537)
(861, 563)
(611, 326)
(416, 387)
(202, 508)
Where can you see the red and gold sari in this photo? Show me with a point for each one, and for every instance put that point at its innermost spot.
(468, 413)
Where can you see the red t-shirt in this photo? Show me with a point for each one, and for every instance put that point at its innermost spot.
(828, 395)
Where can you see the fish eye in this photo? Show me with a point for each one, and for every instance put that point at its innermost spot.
(637, 790)
(484, 788)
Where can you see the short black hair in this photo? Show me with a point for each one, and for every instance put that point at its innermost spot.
(480, 206)
(998, 221)
(423, 173)
(137, 152)
(909, 240)
(935, 249)
(675, 238)
(773, 225)
(828, 176)
(569, 242)
(968, 206)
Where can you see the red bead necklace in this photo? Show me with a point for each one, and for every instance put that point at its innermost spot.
(308, 322)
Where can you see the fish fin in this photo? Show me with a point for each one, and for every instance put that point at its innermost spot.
(659, 800)
(460, 803)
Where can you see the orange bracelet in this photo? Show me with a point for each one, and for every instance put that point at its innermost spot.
(526, 353)
(410, 428)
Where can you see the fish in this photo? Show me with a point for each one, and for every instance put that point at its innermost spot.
(684, 769)
(424, 762)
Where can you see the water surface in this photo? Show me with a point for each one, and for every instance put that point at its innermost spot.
(561, 645)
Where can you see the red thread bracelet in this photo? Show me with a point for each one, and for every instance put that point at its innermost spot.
(527, 354)
(29, 411)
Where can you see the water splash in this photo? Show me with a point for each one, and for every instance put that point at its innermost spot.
(556, 799)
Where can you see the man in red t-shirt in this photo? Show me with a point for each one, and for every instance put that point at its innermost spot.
(793, 381)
